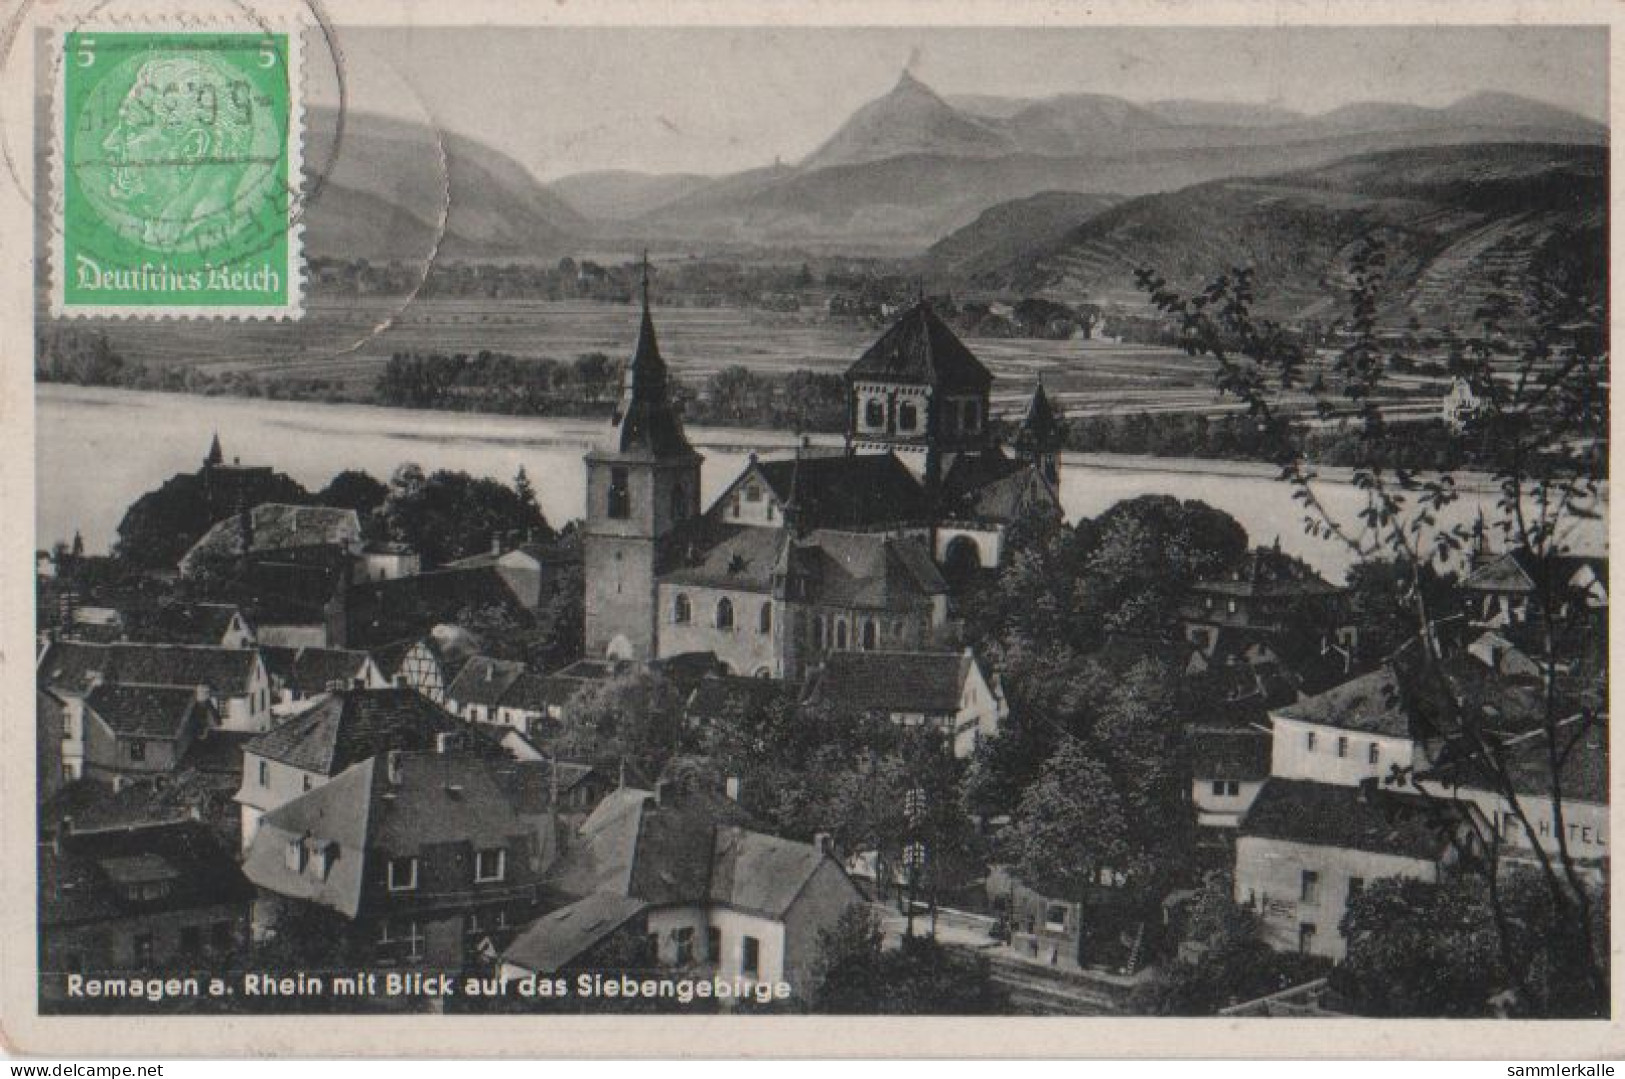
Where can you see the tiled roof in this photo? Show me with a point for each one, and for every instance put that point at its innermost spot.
(278, 526)
(687, 853)
(484, 681)
(1240, 754)
(148, 711)
(350, 726)
(847, 491)
(848, 569)
(742, 558)
(314, 670)
(555, 940)
(195, 623)
(1040, 428)
(435, 799)
(1367, 818)
(892, 681)
(999, 493)
(68, 665)
(532, 692)
(78, 880)
(920, 349)
(1374, 703)
(645, 420)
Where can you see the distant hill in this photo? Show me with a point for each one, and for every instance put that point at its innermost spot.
(388, 188)
(617, 194)
(1458, 223)
(1008, 231)
(911, 166)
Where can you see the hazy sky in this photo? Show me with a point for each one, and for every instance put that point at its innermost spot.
(714, 100)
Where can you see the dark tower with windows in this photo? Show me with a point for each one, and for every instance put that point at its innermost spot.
(1038, 442)
(641, 483)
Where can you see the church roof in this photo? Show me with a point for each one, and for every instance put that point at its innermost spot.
(919, 348)
(847, 491)
(989, 486)
(645, 420)
(1040, 428)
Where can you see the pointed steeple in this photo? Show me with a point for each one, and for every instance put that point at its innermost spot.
(644, 418)
(216, 455)
(1038, 440)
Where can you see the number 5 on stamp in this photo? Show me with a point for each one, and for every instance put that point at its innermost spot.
(176, 174)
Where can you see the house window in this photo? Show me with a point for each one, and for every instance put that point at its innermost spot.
(304, 784)
(753, 493)
(1309, 887)
(1230, 605)
(684, 940)
(620, 493)
(1356, 886)
(840, 635)
(770, 511)
(403, 874)
(138, 750)
(490, 865)
(67, 728)
(874, 414)
(265, 774)
(725, 613)
(1207, 601)
(1055, 917)
(1373, 753)
(1226, 788)
(1306, 937)
(869, 636)
(750, 960)
(908, 416)
(818, 632)
(1342, 746)
(764, 619)
(681, 610)
(408, 934)
(1309, 741)
(736, 506)
(713, 944)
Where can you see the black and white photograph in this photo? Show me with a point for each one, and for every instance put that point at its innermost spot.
(538, 520)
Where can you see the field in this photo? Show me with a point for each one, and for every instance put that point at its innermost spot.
(348, 339)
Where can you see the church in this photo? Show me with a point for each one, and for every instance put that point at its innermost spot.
(852, 549)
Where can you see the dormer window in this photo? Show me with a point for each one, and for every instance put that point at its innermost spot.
(490, 865)
(403, 874)
(753, 493)
(908, 416)
(874, 414)
(295, 854)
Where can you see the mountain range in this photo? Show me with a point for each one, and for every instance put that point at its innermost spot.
(1457, 223)
(903, 172)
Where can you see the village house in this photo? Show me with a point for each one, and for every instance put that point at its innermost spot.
(946, 692)
(1267, 603)
(335, 732)
(733, 901)
(139, 730)
(135, 900)
(234, 680)
(534, 571)
(427, 664)
(820, 553)
(297, 674)
(476, 693)
(433, 858)
(1359, 730)
(1503, 591)
(1229, 765)
(220, 624)
(1306, 848)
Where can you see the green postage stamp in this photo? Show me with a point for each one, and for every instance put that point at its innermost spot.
(177, 174)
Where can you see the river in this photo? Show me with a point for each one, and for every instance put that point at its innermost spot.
(99, 449)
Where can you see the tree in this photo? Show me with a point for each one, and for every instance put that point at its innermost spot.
(355, 490)
(1416, 948)
(638, 716)
(1540, 368)
(448, 515)
(855, 974)
(1070, 824)
(1149, 550)
(163, 524)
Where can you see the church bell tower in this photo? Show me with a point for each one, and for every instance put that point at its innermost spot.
(641, 484)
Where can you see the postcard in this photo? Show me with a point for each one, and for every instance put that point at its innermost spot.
(706, 529)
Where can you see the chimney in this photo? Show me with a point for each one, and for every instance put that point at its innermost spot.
(660, 792)
(392, 766)
(443, 742)
(731, 788)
